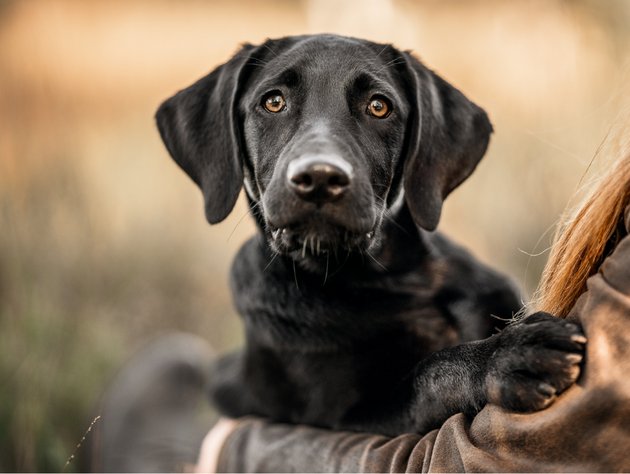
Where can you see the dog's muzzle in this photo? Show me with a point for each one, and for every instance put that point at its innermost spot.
(318, 204)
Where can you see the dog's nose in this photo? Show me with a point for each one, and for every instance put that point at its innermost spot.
(319, 179)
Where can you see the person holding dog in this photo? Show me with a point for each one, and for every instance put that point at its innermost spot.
(586, 280)
(308, 359)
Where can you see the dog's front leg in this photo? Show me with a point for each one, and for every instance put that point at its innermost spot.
(522, 368)
(229, 391)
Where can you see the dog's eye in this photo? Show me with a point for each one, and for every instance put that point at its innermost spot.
(379, 107)
(274, 102)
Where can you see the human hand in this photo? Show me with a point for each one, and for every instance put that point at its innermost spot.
(212, 444)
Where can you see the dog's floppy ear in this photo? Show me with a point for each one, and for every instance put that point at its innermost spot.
(200, 129)
(448, 137)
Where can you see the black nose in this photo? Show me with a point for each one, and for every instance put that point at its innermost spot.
(319, 180)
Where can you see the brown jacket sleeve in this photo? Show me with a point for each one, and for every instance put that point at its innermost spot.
(586, 429)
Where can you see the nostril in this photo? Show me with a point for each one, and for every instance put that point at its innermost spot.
(338, 181)
(302, 179)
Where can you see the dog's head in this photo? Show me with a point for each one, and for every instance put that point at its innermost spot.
(328, 134)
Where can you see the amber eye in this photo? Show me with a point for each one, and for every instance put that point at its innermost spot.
(379, 107)
(274, 102)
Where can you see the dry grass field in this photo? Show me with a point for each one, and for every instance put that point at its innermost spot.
(103, 242)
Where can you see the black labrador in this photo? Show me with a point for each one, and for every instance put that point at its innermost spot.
(357, 315)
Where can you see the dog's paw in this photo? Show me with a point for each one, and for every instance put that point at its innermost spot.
(536, 360)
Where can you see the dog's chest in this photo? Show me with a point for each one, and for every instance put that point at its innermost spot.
(395, 312)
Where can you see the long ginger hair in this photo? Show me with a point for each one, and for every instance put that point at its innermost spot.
(584, 240)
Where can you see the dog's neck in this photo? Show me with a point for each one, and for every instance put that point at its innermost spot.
(272, 292)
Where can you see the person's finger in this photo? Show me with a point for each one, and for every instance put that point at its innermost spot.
(212, 444)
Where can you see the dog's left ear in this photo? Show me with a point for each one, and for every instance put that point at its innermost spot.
(448, 137)
(200, 129)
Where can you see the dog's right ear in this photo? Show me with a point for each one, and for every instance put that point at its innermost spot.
(200, 129)
(449, 136)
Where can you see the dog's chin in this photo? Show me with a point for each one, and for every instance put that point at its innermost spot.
(319, 243)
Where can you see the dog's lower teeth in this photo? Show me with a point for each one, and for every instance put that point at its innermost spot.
(275, 234)
(369, 235)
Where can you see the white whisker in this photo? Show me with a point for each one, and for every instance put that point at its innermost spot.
(275, 255)
(295, 275)
(376, 261)
(250, 209)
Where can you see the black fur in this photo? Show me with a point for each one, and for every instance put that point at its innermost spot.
(357, 316)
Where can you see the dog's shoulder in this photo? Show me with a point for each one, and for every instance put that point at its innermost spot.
(471, 287)
(459, 263)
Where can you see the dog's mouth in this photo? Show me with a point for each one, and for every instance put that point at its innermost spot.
(304, 241)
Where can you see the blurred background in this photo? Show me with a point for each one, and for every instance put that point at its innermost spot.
(103, 241)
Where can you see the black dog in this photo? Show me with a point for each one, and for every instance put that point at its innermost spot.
(357, 316)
